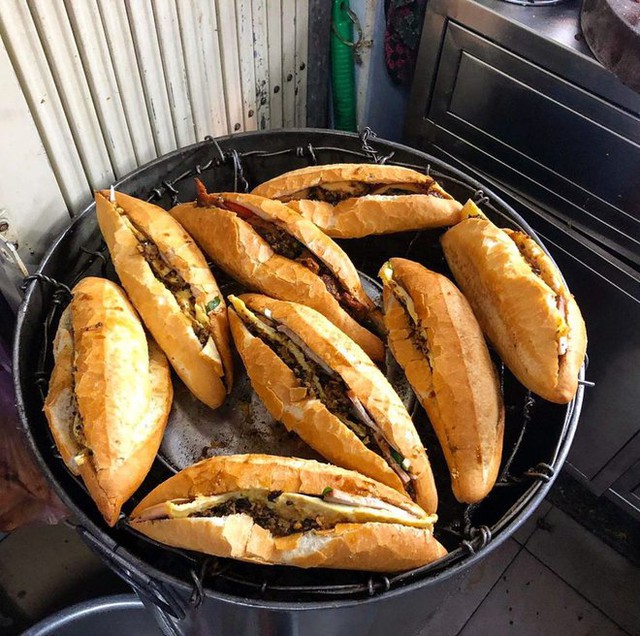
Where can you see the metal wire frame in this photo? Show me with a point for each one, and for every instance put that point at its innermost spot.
(207, 571)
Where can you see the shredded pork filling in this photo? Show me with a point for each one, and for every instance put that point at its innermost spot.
(77, 423)
(331, 390)
(285, 513)
(172, 280)
(418, 335)
(520, 240)
(335, 193)
(288, 246)
(265, 516)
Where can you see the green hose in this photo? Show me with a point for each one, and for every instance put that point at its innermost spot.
(343, 83)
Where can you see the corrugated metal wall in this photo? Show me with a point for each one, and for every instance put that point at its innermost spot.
(94, 88)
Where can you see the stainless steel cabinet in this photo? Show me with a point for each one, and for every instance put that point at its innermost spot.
(509, 93)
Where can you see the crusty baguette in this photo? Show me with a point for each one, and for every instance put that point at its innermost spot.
(449, 367)
(521, 302)
(120, 385)
(235, 246)
(207, 369)
(374, 546)
(287, 400)
(366, 214)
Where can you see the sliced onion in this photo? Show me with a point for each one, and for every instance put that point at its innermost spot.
(341, 497)
(362, 414)
(405, 478)
(308, 352)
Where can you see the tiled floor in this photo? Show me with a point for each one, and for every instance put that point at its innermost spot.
(553, 577)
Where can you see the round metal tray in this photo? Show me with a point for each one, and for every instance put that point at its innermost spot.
(537, 433)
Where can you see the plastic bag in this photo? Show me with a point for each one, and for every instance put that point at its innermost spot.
(25, 495)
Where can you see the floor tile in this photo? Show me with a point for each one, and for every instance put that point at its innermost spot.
(598, 572)
(530, 600)
(456, 610)
(45, 568)
(523, 533)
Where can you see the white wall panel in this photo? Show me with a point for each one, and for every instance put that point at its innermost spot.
(198, 27)
(56, 35)
(274, 42)
(244, 22)
(288, 44)
(36, 79)
(261, 62)
(96, 59)
(30, 199)
(175, 73)
(125, 66)
(300, 73)
(150, 63)
(94, 88)
(229, 57)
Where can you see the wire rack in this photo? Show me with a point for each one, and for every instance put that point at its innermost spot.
(464, 529)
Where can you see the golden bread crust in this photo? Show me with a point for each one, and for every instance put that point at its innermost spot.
(203, 374)
(373, 547)
(328, 251)
(367, 215)
(516, 309)
(248, 258)
(383, 547)
(279, 390)
(370, 214)
(123, 391)
(227, 473)
(366, 381)
(311, 176)
(458, 385)
(60, 399)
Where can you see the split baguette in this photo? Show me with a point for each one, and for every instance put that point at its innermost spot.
(436, 339)
(521, 302)
(416, 202)
(300, 408)
(356, 543)
(113, 387)
(216, 222)
(186, 315)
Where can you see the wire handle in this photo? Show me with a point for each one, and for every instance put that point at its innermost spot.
(146, 587)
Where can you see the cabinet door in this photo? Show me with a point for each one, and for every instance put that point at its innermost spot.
(606, 441)
(571, 151)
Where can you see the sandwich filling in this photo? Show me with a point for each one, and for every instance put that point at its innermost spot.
(285, 244)
(77, 433)
(76, 422)
(538, 261)
(419, 335)
(540, 266)
(338, 191)
(286, 513)
(181, 290)
(321, 382)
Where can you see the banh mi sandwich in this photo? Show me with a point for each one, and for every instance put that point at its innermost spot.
(288, 511)
(271, 249)
(321, 385)
(521, 302)
(436, 339)
(352, 200)
(109, 396)
(168, 281)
